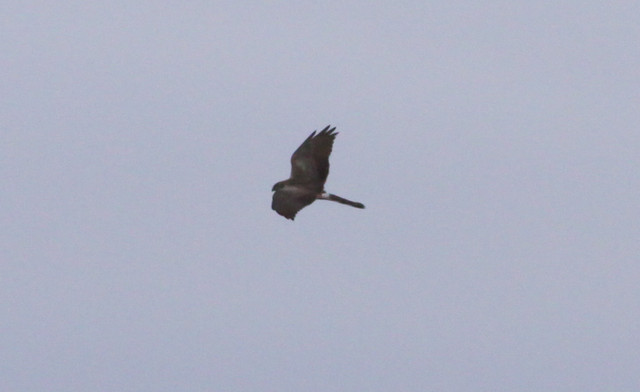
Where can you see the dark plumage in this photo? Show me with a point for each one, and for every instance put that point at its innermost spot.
(309, 171)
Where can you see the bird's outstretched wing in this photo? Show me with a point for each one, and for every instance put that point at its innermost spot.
(288, 200)
(310, 162)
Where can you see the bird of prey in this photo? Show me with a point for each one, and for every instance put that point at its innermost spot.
(309, 171)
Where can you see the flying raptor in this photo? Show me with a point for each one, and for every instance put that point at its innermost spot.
(309, 171)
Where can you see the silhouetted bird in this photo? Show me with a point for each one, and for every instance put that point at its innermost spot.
(309, 171)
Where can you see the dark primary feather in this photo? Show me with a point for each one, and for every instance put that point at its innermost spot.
(310, 162)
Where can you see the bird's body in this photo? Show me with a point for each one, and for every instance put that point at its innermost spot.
(309, 171)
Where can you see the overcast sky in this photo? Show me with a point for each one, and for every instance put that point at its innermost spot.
(495, 144)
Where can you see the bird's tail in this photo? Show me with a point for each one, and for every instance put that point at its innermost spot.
(329, 196)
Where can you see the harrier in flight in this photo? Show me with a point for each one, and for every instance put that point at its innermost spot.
(309, 171)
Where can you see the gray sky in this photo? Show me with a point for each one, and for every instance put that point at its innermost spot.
(495, 145)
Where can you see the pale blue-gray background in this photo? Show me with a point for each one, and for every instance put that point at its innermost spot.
(496, 145)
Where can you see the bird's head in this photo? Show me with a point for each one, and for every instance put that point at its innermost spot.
(277, 185)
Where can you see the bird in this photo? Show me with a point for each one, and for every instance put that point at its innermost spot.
(309, 171)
